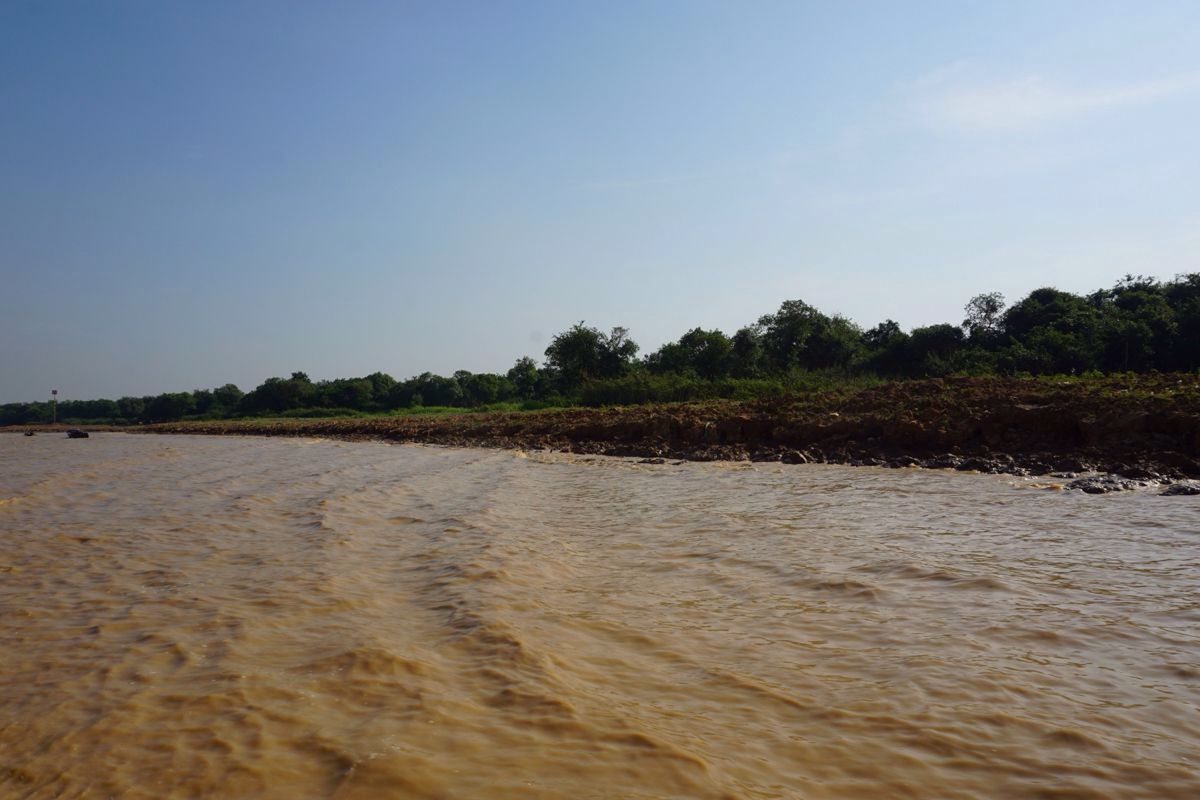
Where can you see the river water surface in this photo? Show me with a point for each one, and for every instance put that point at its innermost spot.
(228, 617)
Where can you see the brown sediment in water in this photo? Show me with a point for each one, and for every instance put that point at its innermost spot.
(281, 618)
(1145, 426)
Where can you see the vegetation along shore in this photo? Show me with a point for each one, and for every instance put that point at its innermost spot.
(1057, 383)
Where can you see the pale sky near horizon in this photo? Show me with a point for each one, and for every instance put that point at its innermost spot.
(203, 193)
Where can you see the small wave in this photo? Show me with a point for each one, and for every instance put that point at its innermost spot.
(845, 587)
(536, 704)
(640, 743)
(1186, 671)
(366, 662)
(947, 578)
(1043, 636)
(1072, 738)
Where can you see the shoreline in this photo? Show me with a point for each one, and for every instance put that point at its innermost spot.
(1143, 428)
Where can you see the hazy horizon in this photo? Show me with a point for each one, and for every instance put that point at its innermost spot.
(201, 195)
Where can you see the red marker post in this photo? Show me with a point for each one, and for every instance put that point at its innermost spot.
(53, 406)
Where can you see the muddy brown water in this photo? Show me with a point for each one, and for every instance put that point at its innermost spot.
(242, 617)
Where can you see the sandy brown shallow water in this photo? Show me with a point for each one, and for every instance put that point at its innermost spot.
(192, 617)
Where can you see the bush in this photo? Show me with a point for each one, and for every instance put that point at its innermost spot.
(303, 413)
(644, 387)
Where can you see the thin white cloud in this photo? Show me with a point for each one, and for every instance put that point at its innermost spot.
(946, 102)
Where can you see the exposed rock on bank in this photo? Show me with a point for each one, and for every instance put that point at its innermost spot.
(1141, 428)
(1103, 484)
(1183, 488)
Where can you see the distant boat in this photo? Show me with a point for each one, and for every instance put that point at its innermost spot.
(75, 433)
(31, 433)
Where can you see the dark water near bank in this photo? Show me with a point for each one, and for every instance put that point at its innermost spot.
(186, 617)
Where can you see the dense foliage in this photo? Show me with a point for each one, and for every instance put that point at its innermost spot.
(1138, 325)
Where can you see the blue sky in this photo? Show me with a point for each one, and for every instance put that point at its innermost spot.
(201, 193)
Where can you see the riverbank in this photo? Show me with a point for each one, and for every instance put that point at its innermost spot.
(1143, 427)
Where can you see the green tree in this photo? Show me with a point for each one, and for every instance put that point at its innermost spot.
(1139, 325)
(1051, 331)
(886, 348)
(582, 353)
(202, 401)
(704, 354)
(933, 350)
(131, 408)
(984, 315)
(168, 407)
(483, 388)
(1049, 308)
(1183, 295)
(429, 390)
(747, 358)
(524, 377)
(280, 394)
(381, 387)
(354, 393)
(798, 335)
(25, 413)
(226, 398)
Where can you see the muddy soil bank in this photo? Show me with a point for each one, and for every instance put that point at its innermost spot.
(1144, 428)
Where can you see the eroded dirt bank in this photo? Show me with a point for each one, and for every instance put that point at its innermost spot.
(1141, 427)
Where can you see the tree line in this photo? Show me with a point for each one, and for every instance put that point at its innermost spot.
(1139, 325)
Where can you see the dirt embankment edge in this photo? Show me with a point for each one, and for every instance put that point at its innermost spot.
(1143, 427)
